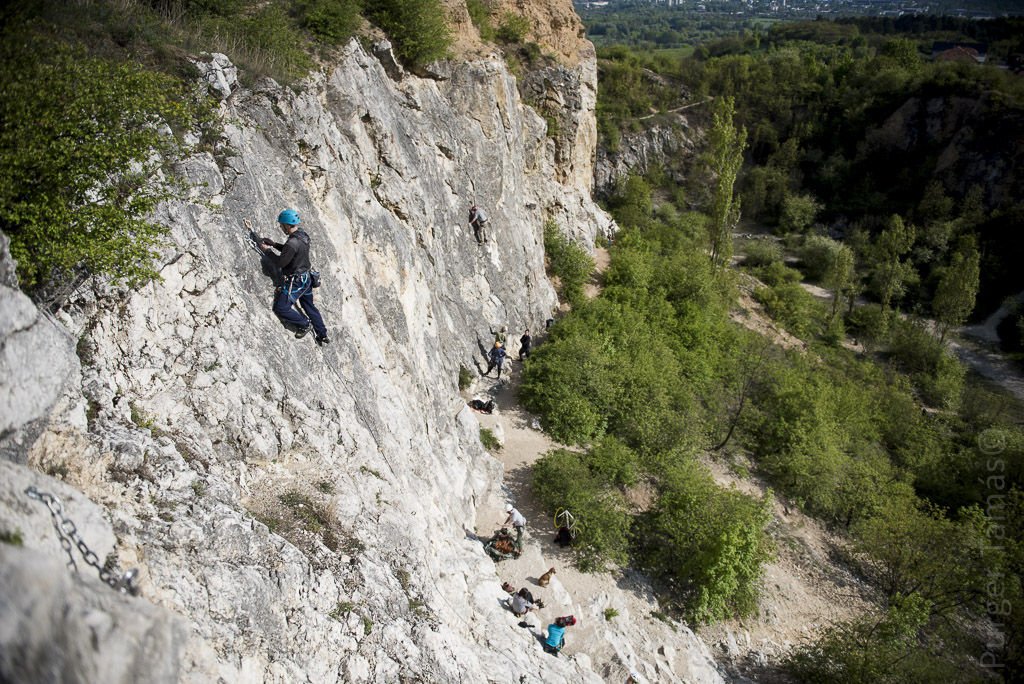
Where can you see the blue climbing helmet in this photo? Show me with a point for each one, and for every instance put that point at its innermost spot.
(289, 217)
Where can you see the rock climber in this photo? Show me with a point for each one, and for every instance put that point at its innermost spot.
(500, 336)
(297, 284)
(477, 219)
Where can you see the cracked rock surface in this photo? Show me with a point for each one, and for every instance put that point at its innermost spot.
(307, 511)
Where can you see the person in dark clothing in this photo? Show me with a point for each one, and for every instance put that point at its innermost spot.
(496, 358)
(297, 284)
(563, 537)
(524, 345)
(477, 219)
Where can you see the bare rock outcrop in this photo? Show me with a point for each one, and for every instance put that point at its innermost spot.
(666, 145)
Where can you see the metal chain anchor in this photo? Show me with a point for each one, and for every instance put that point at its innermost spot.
(67, 532)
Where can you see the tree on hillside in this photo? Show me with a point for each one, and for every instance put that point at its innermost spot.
(957, 290)
(744, 374)
(798, 213)
(892, 272)
(915, 549)
(724, 158)
(841, 276)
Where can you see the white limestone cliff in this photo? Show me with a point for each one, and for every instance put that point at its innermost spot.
(308, 511)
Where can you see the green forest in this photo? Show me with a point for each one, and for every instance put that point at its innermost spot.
(852, 161)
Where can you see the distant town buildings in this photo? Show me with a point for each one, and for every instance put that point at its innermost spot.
(813, 8)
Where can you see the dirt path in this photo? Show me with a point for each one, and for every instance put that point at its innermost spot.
(806, 588)
(617, 628)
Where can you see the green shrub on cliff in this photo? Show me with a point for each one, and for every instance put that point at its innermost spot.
(418, 28)
(480, 15)
(568, 261)
(83, 148)
(332, 21)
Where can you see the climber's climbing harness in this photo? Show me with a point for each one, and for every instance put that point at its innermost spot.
(67, 532)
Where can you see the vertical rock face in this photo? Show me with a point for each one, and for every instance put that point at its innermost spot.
(666, 145)
(310, 510)
(566, 98)
(36, 357)
(55, 626)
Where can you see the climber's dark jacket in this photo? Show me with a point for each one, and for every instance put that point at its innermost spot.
(294, 257)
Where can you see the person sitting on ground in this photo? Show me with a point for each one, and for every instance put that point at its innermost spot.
(555, 640)
(563, 537)
(523, 603)
(496, 358)
(482, 406)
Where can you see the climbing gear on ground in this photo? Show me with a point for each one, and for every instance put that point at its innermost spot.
(501, 546)
(67, 532)
(563, 518)
(289, 217)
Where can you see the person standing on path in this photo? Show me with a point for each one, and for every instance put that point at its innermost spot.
(297, 286)
(518, 521)
(524, 344)
(496, 357)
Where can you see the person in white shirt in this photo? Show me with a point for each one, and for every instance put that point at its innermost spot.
(522, 603)
(518, 521)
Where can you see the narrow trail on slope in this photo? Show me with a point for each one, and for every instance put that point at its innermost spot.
(585, 595)
(804, 587)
